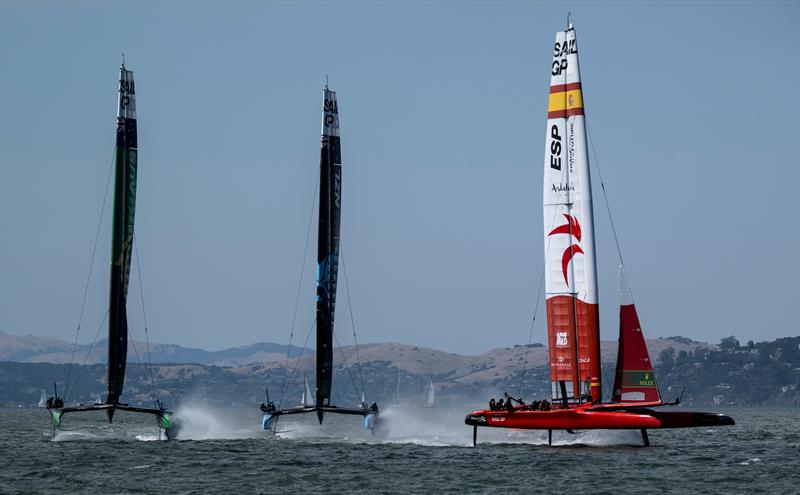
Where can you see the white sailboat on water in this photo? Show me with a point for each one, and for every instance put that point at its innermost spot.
(430, 395)
(306, 399)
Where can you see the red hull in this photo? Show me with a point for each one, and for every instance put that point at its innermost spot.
(588, 418)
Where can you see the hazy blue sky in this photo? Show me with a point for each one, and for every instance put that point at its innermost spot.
(693, 107)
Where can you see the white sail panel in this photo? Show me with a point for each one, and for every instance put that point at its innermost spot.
(570, 269)
(568, 217)
(330, 114)
(126, 103)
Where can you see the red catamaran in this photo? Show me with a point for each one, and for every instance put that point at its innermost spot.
(571, 291)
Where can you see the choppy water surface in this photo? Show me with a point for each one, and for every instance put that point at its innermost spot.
(425, 451)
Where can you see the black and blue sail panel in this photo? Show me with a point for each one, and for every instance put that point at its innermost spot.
(328, 243)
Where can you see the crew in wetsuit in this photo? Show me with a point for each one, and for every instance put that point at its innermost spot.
(545, 405)
(500, 405)
(374, 407)
(492, 404)
(509, 405)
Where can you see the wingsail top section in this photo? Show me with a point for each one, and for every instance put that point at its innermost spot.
(126, 107)
(634, 380)
(570, 267)
(330, 212)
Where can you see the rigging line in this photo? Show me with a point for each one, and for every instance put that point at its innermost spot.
(608, 208)
(144, 317)
(536, 307)
(530, 334)
(143, 370)
(297, 362)
(300, 284)
(352, 321)
(346, 366)
(603, 188)
(85, 358)
(91, 265)
(141, 366)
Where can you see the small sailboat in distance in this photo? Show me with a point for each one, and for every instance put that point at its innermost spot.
(42, 400)
(430, 395)
(330, 182)
(397, 388)
(572, 295)
(306, 399)
(126, 162)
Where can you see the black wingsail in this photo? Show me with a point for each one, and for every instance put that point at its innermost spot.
(328, 244)
(122, 236)
(330, 213)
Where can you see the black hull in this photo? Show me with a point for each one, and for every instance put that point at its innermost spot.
(370, 416)
(680, 419)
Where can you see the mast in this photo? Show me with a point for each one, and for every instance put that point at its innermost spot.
(122, 235)
(328, 244)
(570, 267)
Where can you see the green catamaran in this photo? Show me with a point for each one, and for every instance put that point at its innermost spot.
(124, 209)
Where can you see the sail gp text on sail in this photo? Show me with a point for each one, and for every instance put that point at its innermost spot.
(562, 50)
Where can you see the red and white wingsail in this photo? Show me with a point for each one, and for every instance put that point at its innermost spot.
(634, 380)
(570, 267)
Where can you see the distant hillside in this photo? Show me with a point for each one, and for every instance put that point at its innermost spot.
(494, 363)
(30, 349)
(765, 373)
(234, 377)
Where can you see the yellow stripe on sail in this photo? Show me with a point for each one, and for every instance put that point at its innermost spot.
(565, 100)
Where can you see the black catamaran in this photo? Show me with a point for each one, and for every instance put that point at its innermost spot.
(126, 155)
(330, 212)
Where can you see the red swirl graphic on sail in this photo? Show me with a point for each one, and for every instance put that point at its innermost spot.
(571, 228)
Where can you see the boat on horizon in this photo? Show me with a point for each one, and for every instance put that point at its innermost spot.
(430, 396)
(572, 296)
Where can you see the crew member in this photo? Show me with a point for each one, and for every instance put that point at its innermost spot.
(492, 404)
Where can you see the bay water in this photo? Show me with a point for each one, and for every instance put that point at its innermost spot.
(420, 451)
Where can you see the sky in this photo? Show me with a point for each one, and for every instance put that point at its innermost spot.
(693, 108)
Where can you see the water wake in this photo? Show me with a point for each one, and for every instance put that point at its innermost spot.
(70, 436)
(439, 428)
(193, 421)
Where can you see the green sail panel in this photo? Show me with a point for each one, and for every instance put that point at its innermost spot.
(122, 236)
